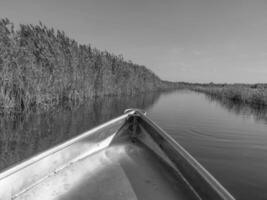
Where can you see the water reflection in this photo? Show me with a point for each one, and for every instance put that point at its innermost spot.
(259, 113)
(218, 133)
(22, 136)
(222, 136)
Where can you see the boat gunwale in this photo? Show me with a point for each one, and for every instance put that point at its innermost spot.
(200, 169)
(24, 163)
(163, 140)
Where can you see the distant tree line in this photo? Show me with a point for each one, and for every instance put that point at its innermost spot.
(41, 68)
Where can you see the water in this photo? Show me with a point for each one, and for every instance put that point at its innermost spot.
(230, 140)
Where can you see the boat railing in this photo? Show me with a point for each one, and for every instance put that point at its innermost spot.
(204, 184)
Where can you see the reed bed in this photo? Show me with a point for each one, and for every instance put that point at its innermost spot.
(42, 68)
(255, 95)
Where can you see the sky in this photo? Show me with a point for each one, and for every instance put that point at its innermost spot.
(221, 41)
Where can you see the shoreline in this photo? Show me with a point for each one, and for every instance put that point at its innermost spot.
(250, 94)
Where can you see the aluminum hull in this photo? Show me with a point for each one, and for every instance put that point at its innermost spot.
(129, 157)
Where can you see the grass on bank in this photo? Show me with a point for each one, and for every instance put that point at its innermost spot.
(41, 67)
(254, 94)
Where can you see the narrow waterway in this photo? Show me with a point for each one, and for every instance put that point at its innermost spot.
(230, 140)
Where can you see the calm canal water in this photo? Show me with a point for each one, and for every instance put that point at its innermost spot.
(230, 140)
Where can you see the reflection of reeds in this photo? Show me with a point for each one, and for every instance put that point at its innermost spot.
(23, 135)
(259, 113)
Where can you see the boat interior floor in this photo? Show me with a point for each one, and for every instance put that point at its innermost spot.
(123, 170)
